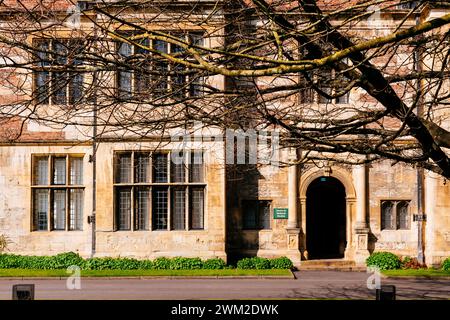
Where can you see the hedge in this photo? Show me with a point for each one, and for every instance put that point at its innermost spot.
(64, 260)
(384, 261)
(446, 264)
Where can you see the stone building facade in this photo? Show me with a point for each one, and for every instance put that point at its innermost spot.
(131, 200)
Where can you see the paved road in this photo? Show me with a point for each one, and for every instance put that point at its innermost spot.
(309, 284)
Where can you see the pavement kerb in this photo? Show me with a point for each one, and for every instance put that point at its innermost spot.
(288, 277)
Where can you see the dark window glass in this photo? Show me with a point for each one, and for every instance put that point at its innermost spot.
(160, 168)
(196, 206)
(178, 206)
(124, 209)
(256, 214)
(403, 215)
(387, 219)
(142, 208)
(159, 208)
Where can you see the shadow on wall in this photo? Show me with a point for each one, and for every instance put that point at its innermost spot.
(242, 193)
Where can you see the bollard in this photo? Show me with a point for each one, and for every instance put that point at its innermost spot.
(23, 292)
(386, 293)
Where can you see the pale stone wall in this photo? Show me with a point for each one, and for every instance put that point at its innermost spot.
(437, 226)
(206, 243)
(15, 204)
(388, 182)
(15, 210)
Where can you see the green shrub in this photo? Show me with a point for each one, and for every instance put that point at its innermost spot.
(65, 260)
(261, 263)
(281, 263)
(161, 263)
(214, 263)
(246, 263)
(146, 265)
(180, 263)
(384, 261)
(254, 263)
(446, 264)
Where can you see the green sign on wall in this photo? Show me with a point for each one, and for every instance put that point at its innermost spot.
(280, 213)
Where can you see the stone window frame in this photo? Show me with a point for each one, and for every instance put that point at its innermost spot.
(258, 223)
(193, 86)
(151, 186)
(395, 214)
(47, 60)
(73, 221)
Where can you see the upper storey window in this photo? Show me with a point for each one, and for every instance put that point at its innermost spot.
(146, 74)
(56, 80)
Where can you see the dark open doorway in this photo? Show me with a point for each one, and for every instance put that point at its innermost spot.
(325, 219)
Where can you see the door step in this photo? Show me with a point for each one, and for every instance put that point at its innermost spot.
(330, 264)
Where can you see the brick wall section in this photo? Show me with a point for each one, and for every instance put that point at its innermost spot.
(13, 130)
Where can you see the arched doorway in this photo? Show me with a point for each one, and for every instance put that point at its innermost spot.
(325, 219)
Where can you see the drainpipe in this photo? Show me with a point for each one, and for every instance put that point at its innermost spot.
(94, 161)
(94, 178)
(420, 217)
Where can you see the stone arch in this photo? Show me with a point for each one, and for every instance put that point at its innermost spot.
(342, 175)
(345, 177)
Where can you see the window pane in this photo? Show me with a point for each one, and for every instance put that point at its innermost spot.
(250, 214)
(60, 52)
(76, 209)
(43, 55)
(196, 206)
(42, 87)
(160, 167)
(161, 82)
(387, 221)
(76, 171)
(124, 84)
(178, 206)
(59, 209)
(196, 167)
(402, 215)
(196, 38)
(159, 206)
(59, 170)
(41, 171)
(142, 76)
(264, 214)
(178, 81)
(161, 67)
(142, 167)
(59, 88)
(124, 209)
(125, 50)
(142, 208)
(40, 205)
(76, 88)
(124, 168)
(124, 77)
(196, 82)
(178, 170)
(160, 46)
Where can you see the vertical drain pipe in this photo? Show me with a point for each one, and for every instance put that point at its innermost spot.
(420, 172)
(94, 159)
(94, 177)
